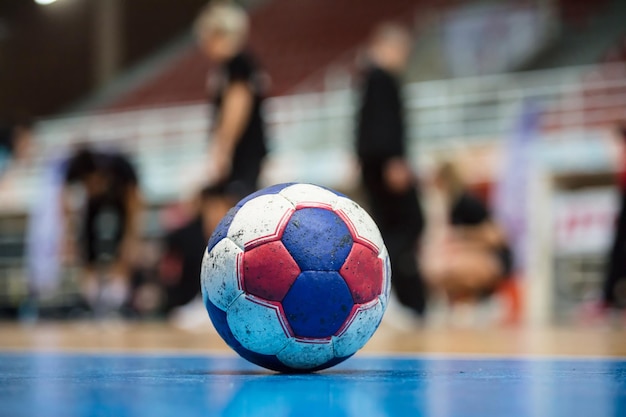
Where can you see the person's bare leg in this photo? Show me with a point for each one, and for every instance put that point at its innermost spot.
(470, 271)
(116, 288)
(89, 285)
(461, 268)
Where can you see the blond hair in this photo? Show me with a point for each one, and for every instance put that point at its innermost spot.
(222, 18)
(391, 32)
(448, 173)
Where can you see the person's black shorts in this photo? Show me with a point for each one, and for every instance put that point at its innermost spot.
(244, 177)
(103, 231)
(505, 256)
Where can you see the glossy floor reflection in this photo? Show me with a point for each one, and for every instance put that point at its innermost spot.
(47, 384)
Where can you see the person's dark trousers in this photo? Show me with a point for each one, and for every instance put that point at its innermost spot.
(407, 282)
(400, 220)
(616, 267)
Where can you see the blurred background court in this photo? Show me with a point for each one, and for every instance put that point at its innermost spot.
(527, 98)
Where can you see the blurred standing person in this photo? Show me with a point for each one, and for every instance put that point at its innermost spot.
(237, 150)
(108, 227)
(386, 174)
(614, 285)
(238, 133)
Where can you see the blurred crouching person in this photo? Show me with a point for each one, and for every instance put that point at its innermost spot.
(105, 237)
(473, 257)
(184, 248)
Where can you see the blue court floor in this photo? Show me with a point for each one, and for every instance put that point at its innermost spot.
(148, 385)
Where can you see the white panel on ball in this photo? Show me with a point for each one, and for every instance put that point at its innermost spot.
(365, 226)
(384, 296)
(304, 355)
(257, 325)
(219, 273)
(259, 220)
(362, 326)
(309, 194)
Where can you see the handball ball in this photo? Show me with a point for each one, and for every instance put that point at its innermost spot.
(296, 278)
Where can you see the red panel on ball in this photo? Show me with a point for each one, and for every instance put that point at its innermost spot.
(269, 271)
(363, 272)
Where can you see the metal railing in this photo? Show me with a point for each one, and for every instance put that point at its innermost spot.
(311, 134)
(311, 137)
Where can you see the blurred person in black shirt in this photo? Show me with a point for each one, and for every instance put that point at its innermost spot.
(15, 140)
(387, 177)
(108, 225)
(614, 285)
(238, 133)
(472, 257)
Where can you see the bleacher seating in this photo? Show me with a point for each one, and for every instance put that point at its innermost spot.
(602, 99)
(617, 53)
(579, 13)
(601, 102)
(169, 140)
(296, 41)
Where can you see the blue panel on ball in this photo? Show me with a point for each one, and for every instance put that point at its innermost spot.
(272, 189)
(266, 361)
(318, 304)
(318, 239)
(221, 230)
(218, 318)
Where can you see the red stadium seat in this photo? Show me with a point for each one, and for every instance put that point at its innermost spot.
(296, 42)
